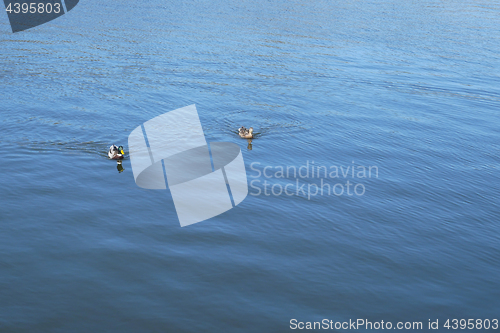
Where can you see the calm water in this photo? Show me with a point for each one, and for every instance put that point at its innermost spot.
(410, 87)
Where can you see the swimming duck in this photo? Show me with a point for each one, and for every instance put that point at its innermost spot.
(245, 133)
(116, 153)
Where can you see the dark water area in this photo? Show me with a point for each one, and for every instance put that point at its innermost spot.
(408, 89)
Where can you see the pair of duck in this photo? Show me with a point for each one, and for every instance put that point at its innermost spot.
(116, 153)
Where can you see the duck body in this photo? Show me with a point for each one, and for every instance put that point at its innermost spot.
(245, 133)
(115, 153)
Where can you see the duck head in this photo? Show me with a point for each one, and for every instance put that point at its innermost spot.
(120, 149)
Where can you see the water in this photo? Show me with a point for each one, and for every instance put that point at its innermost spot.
(411, 88)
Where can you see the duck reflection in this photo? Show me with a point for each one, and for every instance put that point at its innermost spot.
(249, 147)
(119, 166)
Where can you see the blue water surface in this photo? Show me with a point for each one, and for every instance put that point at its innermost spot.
(409, 88)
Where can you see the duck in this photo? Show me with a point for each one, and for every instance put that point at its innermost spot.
(116, 153)
(245, 133)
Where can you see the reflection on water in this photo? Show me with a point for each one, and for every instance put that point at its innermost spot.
(249, 147)
(119, 166)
